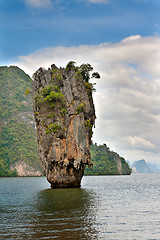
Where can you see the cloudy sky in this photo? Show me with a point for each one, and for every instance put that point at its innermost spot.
(119, 38)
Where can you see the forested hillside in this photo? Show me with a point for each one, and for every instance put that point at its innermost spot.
(17, 128)
(106, 162)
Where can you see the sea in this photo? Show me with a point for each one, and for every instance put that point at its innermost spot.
(105, 207)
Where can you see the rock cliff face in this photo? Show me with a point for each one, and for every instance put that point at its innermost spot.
(24, 170)
(64, 114)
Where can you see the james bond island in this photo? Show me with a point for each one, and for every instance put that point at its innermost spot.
(65, 115)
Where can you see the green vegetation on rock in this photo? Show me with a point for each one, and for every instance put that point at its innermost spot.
(17, 130)
(80, 108)
(50, 95)
(105, 162)
(53, 128)
(83, 72)
(70, 66)
(89, 88)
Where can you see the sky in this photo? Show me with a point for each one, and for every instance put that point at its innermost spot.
(119, 38)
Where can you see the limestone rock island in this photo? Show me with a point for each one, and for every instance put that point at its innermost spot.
(64, 114)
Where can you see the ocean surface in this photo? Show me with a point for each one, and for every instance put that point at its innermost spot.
(105, 207)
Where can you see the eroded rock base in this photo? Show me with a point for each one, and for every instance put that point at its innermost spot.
(67, 177)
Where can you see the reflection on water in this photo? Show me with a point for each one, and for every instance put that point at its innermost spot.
(64, 214)
(28, 212)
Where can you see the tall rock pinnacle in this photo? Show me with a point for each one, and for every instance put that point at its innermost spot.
(64, 114)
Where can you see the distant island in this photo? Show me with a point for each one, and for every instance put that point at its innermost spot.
(18, 144)
(141, 166)
(107, 162)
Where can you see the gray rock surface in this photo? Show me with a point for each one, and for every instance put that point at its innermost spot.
(24, 170)
(64, 114)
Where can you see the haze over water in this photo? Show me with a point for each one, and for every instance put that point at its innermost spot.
(106, 207)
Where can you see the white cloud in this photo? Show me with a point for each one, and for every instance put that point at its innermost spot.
(38, 3)
(127, 99)
(140, 143)
(134, 37)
